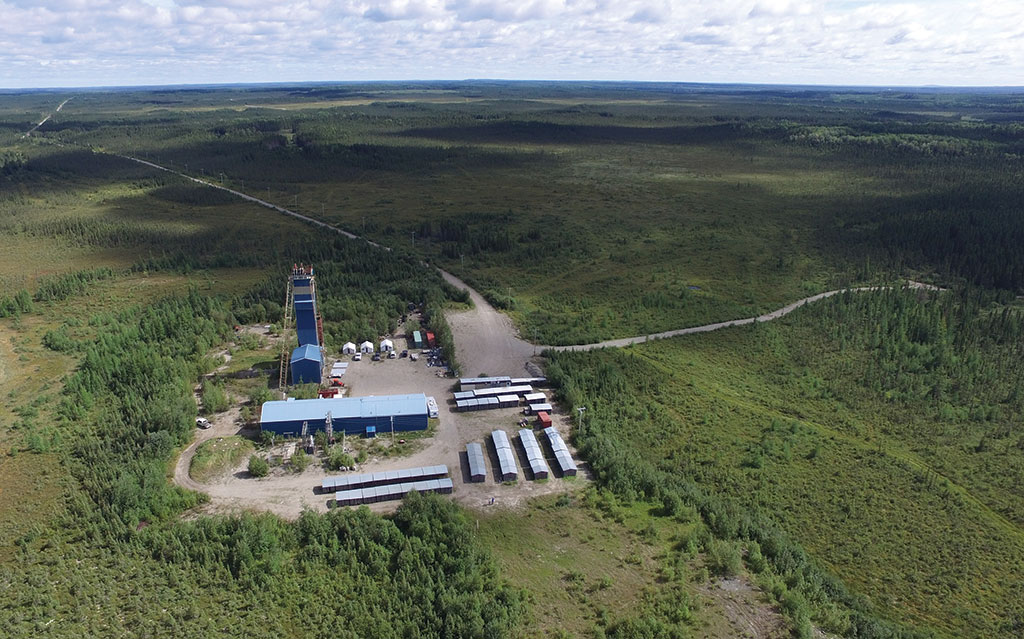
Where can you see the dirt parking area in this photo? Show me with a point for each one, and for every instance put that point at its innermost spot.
(287, 493)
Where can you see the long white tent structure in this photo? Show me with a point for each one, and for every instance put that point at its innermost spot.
(533, 453)
(561, 451)
(506, 460)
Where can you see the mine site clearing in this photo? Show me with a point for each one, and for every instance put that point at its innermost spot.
(478, 438)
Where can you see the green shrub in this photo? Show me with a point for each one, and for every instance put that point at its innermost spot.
(215, 400)
(338, 459)
(258, 466)
(299, 460)
(724, 558)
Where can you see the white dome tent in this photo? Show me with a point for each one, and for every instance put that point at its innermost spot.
(366, 347)
(386, 345)
(348, 348)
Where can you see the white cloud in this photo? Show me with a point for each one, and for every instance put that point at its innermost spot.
(82, 42)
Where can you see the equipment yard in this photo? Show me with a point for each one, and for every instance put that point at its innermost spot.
(287, 493)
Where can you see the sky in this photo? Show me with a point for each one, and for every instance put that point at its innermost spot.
(74, 43)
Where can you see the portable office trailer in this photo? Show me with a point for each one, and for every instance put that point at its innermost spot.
(470, 383)
(463, 395)
(501, 390)
(508, 401)
(477, 466)
(432, 410)
(535, 381)
(536, 408)
(535, 398)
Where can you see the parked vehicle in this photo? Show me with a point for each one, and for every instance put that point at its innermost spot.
(413, 356)
(357, 357)
(392, 355)
(202, 422)
(376, 357)
(404, 354)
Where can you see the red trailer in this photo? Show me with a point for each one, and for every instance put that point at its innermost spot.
(327, 393)
(543, 419)
(430, 340)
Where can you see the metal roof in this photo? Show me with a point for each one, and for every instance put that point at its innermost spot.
(502, 390)
(344, 407)
(475, 456)
(500, 439)
(534, 398)
(307, 351)
(485, 380)
(536, 408)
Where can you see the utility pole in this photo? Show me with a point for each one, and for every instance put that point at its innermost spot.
(414, 238)
(581, 410)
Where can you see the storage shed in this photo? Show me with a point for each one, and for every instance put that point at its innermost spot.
(417, 340)
(366, 347)
(307, 365)
(543, 419)
(506, 459)
(534, 456)
(354, 415)
(477, 465)
(561, 451)
(349, 348)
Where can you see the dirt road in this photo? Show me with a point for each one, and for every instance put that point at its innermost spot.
(486, 342)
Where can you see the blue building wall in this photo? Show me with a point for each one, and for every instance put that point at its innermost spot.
(351, 425)
(305, 323)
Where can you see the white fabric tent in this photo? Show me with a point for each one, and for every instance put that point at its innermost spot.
(366, 347)
(386, 345)
(348, 348)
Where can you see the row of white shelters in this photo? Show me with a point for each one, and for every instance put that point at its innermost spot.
(367, 347)
(533, 453)
(561, 451)
(506, 459)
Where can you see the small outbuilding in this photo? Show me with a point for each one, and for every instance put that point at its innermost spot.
(386, 345)
(366, 347)
(307, 365)
(349, 348)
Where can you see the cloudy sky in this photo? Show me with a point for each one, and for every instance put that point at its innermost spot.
(45, 43)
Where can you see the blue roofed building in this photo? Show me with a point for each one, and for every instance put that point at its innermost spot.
(307, 365)
(354, 415)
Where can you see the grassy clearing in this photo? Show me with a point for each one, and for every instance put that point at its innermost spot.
(592, 566)
(217, 456)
